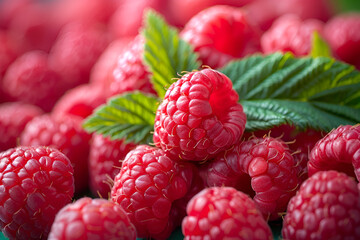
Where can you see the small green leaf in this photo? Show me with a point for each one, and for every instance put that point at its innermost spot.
(165, 53)
(129, 116)
(320, 93)
(319, 47)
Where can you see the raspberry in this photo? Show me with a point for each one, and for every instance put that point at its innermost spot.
(89, 218)
(102, 70)
(220, 34)
(13, 118)
(224, 213)
(338, 150)
(182, 13)
(89, 11)
(66, 135)
(30, 79)
(225, 170)
(76, 50)
(274, 178)
(128, 17)
(327, 206)
(36, 182)
(8, 51)
(147, 185)
(264, 12)
(290, 33)
(199, 116)
(77, 102)
(130, 73)
(300, 143)
(33, 27)
(105, 162)
(343, 37)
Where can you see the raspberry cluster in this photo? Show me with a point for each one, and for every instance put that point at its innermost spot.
(60, 60)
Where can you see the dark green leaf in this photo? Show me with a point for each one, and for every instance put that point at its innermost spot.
(129, 116)
(166, 54)
(320, 92)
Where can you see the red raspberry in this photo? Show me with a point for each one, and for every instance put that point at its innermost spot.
(264, 12)
(339, 150)
(36, 182)
(76, 50)
(105, 162)
(30, 79)
(344, 38)
(77, 102)
(33, 26)
(13, 118)
(8, 51)
(327, 206)
(65, 134)
(147, 185)
(89, 11)
(130, 73)
(290, 33)
(225, 170)
(224, 213)
(220, 34)
(103, 68)
(199, 116)
(182, 13)
(128, 17)
(299, 142)
(274, 178)
(92, 219)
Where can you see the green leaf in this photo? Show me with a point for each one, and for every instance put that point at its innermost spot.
(129, 116)
(320, 47)
(165, 53)
(319, 93)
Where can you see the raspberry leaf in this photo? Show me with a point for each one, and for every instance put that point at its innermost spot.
(165, 53)
(320, 92)
(129, 116)
(320, 47)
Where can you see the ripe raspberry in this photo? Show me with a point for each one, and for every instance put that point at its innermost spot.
(103, 68)
(220, 34)
(13, 118)
(147, 185)
(130, 73)
(300, 143)
(30, 79)
(344, 38)
(290, 33)
(77, 102)
(65, 134)
(89, 11)
(199, 116)
(339, 150)
(182, 13)
(264, 12)
(33, 26)
(274, 178)
(225, 170)
(92, 219)
(76, 50)
(224, 213)
(327, 206)
(8, 51)
(105, 162)
(128, 17)
(36, 182)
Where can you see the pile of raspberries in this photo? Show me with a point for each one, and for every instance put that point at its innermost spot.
(203, 173)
